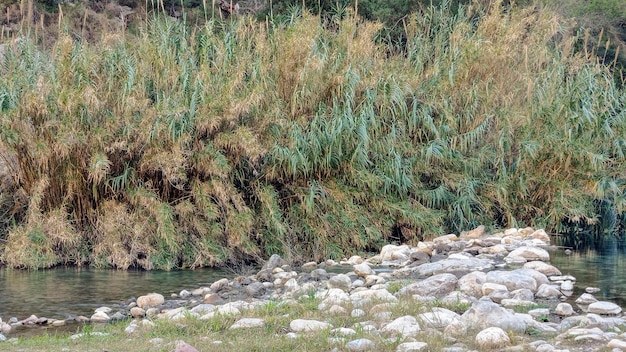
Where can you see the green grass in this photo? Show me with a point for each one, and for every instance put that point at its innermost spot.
(190, 144)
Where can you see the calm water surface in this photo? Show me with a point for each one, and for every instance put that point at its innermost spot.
(62, 292)
(600, 265)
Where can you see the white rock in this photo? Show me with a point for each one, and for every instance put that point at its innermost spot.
(615, 343)
(343, 332)
(303, 325)
(340, 281)
(530, 253)
(246, 323)
(100, 317)
(411, 346)
(564, 309)
(381, 295)
(150, 300)
(363, 270)
(492, 338)
(606, 308)
(438, 318)
(548, 291)
(567, 285)
(543, 267)
(392, 252)
(361, 345)
(437, 285)
(586, 298)
(406, 326)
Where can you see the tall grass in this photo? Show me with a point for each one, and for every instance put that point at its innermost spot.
(189, 146)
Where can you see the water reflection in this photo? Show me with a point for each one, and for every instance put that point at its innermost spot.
(62, 292)
(598, 264)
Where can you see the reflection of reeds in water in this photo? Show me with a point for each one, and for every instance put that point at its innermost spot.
(189, 146)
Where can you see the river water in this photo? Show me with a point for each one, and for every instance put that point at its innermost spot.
(66, 292)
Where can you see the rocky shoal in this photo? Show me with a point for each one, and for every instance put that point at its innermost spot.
(492, 276)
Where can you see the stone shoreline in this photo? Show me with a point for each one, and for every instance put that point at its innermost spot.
(489, 277)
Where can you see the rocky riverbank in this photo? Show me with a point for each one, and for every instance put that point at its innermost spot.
(472, 291)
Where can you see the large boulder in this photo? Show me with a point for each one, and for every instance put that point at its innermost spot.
(438, 286)
(485, 313)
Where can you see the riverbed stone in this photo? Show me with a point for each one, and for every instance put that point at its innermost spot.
(437, 286)
(363, 270)
(564, 309)
(586, 299)
(150, 300)
(362, 344)
(543, 267)
(547, 291)
(618, 344)
(604, 308)
(529, 253)
(304, 325)
(412, 346)
(405, 326)
(438, 318)
(340, 281)
(247, 323)
(275, 261)
(513, 280)
(453, 265)
(485, 313)
(492, 338)
(392, 252)
(100, 317)
(471, 284)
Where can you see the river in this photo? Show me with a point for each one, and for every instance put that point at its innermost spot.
(66, 292)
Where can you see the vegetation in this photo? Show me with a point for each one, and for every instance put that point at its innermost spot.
(189, 145)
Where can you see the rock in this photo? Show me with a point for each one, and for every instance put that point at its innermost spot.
(619, 344)
(100, 317)
(475, 233)
(437, 286)
(547, 291)
(319, 274)
(150, 300)
(564, 309)
(567, 285)
(530, 253)
(484, 313)
(363, 270)
(302, 325)
(340, 281)
(137, 312)
(406, 326)
(275, 261)
(604, 308)
(255, 289)
(392, 252)
(246, 323)
(309, 266)
(343, 332)
(586, 299)
(453, 265)
(182, 346)
(411, 346)
(513, 280)
(381, 295)
(543, 267)
(471, 284)
(438, 318)
(361, 345)
(492, 338)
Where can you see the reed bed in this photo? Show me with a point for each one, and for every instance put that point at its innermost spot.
(184, 146)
